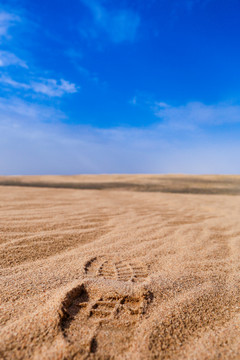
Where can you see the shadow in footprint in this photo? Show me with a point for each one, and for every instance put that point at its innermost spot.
(96, 321)
(75, 300)
(93, 345)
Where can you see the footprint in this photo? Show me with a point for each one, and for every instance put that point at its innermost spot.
(116, 270)
(95, 324)
(92, 265)
(186, 282)
(140, 272)
(103, 308)
(89, 264)
(124, 271)
(107, 270)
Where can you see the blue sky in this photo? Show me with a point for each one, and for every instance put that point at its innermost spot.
(105, 86)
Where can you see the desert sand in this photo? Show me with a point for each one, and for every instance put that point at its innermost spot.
(120, 267)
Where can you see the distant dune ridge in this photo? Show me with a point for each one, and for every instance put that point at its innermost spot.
(120, 267)
(205, 184)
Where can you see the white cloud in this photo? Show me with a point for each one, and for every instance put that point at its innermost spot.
(192, 115)
(7, 80)
(6, 21)
(162, 104)
(52, 87)
(35, 141)
(16, 112)
(7, 58)
(120, 25)
(49, 87)
(198, 114)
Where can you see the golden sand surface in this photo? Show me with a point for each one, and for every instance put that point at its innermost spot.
(124, 267)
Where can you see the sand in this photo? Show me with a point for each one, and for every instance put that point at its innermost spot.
(120, 267)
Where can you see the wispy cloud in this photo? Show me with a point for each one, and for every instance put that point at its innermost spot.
(6, 21)
(48, 87)
(8, 81)
(35, 141)
(52, 87)
(7, 58)
(16, 113)
(192, 115)
(198, 114)
(119, 25)
(23, 79)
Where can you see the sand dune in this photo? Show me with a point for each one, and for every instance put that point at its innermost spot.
(207, 184)
(120, 267)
